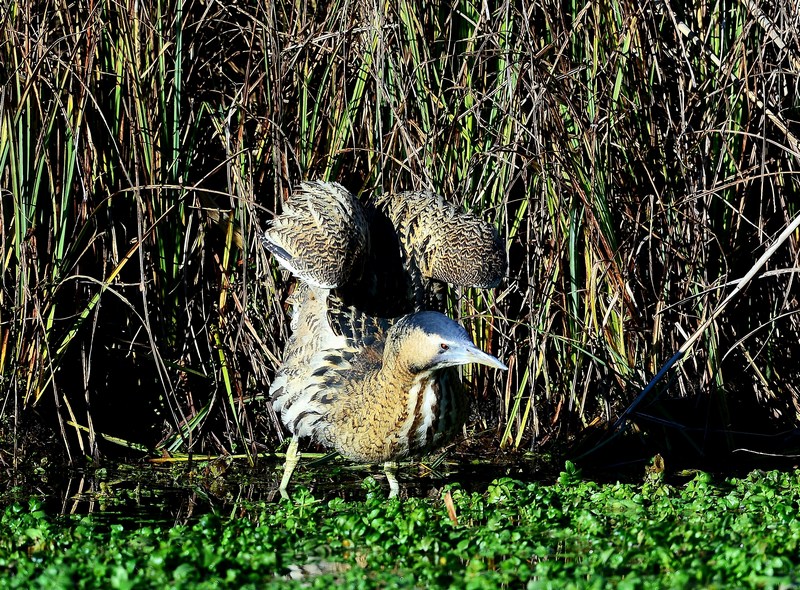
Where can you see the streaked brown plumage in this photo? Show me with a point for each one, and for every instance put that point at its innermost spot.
(321, 236)
(386, 258)
(444, 243)
(376, 390)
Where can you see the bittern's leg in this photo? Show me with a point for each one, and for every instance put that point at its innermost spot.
(292, 457)
(390, 467)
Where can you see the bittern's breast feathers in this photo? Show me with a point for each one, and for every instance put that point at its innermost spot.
(322, 235)
(330, 345)
(374, 389)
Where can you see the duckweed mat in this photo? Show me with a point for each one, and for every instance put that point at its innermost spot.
(735, 532)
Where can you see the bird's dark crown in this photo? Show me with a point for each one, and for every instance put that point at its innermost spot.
(434, 323)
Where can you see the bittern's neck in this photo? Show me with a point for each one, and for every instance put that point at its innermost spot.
(398, 370)
(410, 402)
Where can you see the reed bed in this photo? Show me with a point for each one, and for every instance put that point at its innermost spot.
(637, 158)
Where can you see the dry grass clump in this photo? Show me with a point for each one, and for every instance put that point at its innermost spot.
(637, 157)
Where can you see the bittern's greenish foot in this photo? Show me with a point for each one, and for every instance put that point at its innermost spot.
(376, 390)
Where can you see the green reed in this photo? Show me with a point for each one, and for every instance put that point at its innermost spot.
(635, 159)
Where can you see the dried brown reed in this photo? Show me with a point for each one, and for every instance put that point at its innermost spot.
(637, 157)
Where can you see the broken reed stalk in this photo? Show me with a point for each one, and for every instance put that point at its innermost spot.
(740, 285)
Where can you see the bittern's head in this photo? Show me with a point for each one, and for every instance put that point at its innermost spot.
(429, 340)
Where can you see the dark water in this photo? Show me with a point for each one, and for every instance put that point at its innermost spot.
(170, 493)
(166, 495)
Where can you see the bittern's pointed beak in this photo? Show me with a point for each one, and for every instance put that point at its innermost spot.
(467, 354)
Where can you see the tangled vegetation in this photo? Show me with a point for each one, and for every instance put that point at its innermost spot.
(572, 534)
(637, 157)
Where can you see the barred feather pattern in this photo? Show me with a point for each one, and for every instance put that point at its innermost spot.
(392, 256)
(442, 243)
(321, 236)
(338, 387)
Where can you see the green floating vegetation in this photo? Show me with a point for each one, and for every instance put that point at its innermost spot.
(735, 533)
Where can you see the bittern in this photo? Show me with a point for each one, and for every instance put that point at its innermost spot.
(375, 390)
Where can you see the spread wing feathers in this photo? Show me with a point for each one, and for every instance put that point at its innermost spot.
(321, 236)
(386, 258)
(444, 243)
(331, 345)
